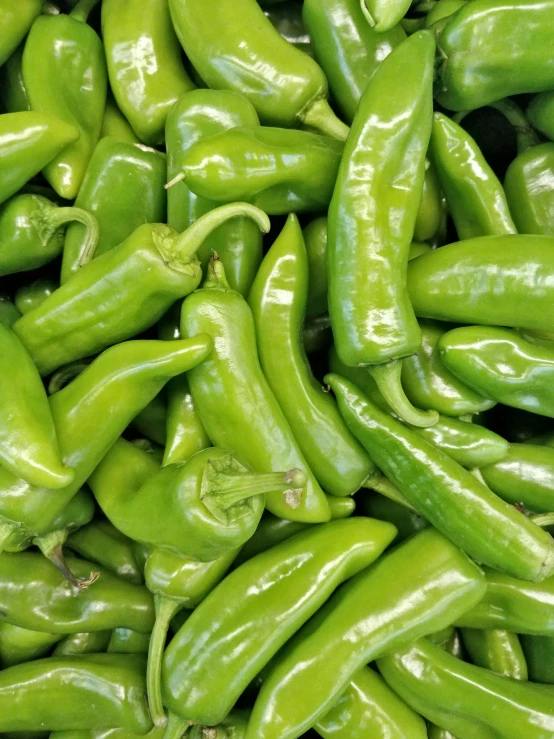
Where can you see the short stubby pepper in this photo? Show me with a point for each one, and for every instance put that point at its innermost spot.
(85, 642)
(541, 113)
(529, 186)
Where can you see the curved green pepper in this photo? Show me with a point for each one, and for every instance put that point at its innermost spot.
(493, 280)
(198, 115)
(127, 641)
(529, 184)
(64, 71)
(499, 364)
(286, 86)
(86, 642)
(28, 297)
(383, 15)
(382, 167)
(185, 433)
(441, 11)
(468, 700)
(99, 691)
(30, 140)
(30, 234)
(432, 209)
(147, 76)
(496, 650)
(19, 645)
(9, 313)
(122, 188)
(421, 587)
(154, 267)
(227, 639)
(541, 113)
(451, 498)
(278, 302)
(13, 94)
(315, 240)
(16, 18)
(232, 396)
(539, 653)
(474, 71)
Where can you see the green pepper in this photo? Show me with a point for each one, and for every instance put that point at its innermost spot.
(286, 86)
(185, 434)
(432, 208)
(407, 521)
(468, 700)
(147, 76)
(30, 140)
(474, 72)
(348, 49)
(315, 239)
(87, 642)
(154, 267)
(105, 734)
(123, 188)
(500, 365)
(232, 396)
(97, 691)
(278, 302)
(19, 645)
(9, 313)
(286, 17)
(28, 297)
(115, 124)
(493, 280)
(201, 114)
(421, 587)
(441, 11)
(30, 234)
(16, 18)
(13, 94)
(102, 543)
(277, 169)
(545, 439)
(236, 630)
(151, 421)
(64, 71)
(89, 415)
(539, 653)
(381, 173)
(496, 650)
(127, 641)
(541, 113)
(448, 496)
(317, 334)
(383, 15)
(35, 595)
(529, 185)
(474, 195)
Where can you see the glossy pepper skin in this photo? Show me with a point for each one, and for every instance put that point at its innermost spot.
(277, 169)
(352, 630)
(127, 641)
(347, 48)
(278, 302)
(13, 94)
(539, 653)
(105, 734)
(99, 691)
(146, 73)
(89, 415)
(85, 642)
(28, 297)
(474, 195)
(497, 650)
(232, 396)
(16, 18)
(115, 124)
(298, 575)
(123, 188)
(102, 543)
(286, 17)
(468, 700)
(201, 114)
(315, 240)
(529, 184)
(501, 365)
(286, 86)
(151, 421)
(29, 141)
(540, 113)
(185, 433)
(64, 71)
(19, 645)
(475, 72)
(451, 498)
(154, 267)
(494, 280)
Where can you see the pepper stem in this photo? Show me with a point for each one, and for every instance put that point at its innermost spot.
(51, 545)
(6, 533)
(320, 116)
(215, 275)
(176, 727)
(388, 379)
(365, 10)
(166, 608)
(82, 10)
(381, 485)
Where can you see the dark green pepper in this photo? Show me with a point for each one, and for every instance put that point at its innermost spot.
(496, 650)
(127, 641)
(540, 113)
(407, 521)
(317, 334)
(539, 653)
(151, 421)
(286, 17)
(16, 18)
(9, 313)
(19, 645)
(529, 185)
(28, 297)
(87, 642)
(315, 239)
(13, 94)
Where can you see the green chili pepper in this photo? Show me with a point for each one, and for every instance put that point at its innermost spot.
(496, 650)
(30, 234)
(30, 140)
(154, 267)
(373, 322)
(341, 507)
(501, 365)
(315, 239)
(270, 532)
(407, 521)
(151, 421)
(383, 15)
(529, 184)
(76, 514)
(198, 115)
(541, 113)
(19, 645)
(147, 75)
(441, 11)
(64, 71)
(539, 653)
(232, 396)
(28, 297)
(277, 169)
(87, 642)
(185, 434)
(348, 49)
(13, 94)
(465, 699)
(89, 415)
(473, 72)
(98, 691)
(451, 498)
(105, 734)
(115, 124)
(281, 587)
(16, 18)
(286, 86)
(474, 195)
(493, 280)
(286, 18)
(278, 303)
(127, 641)
(431, 208)
(436, 732)
(35, 595)
(9, 312)
(317, 334)
(420, 588)
(123, 188)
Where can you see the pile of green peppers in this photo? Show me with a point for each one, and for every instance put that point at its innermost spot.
(276, 369)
